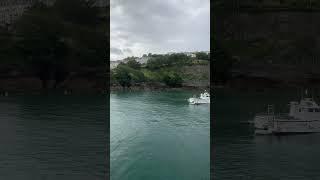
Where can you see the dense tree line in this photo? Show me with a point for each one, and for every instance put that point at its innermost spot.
(53, 41)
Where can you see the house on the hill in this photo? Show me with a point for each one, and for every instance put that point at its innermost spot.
(142, 60)
(114, 64)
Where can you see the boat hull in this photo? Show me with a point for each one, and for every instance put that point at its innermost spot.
(268, 124)
(197, 101)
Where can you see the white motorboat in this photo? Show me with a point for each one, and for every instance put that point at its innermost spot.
(303, 117)
(203, 99)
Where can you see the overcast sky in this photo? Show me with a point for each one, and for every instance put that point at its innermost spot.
(158, 26)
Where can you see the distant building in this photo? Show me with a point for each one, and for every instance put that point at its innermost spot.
(142, 60)
(190, 54)
(114, 64)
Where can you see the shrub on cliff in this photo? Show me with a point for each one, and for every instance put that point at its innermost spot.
(162, 61)
(127, 76)
(133, 63)
(179, 59)
(172, 79)
(156, 63)
(203, 56)
(122, 76)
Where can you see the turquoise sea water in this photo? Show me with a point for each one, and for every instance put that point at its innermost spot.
(158, 136)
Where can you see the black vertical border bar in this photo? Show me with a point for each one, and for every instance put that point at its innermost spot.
(211, 90)
(107, 135)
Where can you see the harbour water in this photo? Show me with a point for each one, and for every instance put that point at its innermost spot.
(241, 155)
(158, 136)
(53, 137)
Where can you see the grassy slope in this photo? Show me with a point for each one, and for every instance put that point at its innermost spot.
(197, 74)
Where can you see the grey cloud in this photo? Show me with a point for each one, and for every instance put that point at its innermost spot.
(160, 25)
(127, 50)
(116, 51)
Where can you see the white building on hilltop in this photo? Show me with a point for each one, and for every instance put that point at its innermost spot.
(190, 54)
(142, 60)
(114, 64)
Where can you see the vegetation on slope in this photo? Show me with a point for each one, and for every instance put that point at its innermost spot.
(160, 69)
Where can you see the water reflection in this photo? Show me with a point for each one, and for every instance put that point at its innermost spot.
(53, 138)
(157, 135)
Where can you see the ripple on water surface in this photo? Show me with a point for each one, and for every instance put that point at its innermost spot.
(157, 135)
(54, 137)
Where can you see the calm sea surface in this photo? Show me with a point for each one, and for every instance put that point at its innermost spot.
(158, 136)
(241, 155)
(53, 137)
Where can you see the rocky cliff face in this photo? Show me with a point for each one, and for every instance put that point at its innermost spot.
(196, 76)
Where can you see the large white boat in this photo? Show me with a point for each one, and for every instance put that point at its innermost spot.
(203, 99)
(303, 117)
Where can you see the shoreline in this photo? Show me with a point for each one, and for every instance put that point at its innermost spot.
(114, 88)
(98, 92)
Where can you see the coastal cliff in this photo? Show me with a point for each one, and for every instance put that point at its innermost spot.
(193, 77)
(163, 71)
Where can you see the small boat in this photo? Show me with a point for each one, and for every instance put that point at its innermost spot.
(203, 99)
(303, 117)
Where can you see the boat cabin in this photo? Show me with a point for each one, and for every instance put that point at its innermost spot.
(306, 109)
(205, 95)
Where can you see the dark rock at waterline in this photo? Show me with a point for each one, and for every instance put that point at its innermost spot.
(20, 84)
(96, 82)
